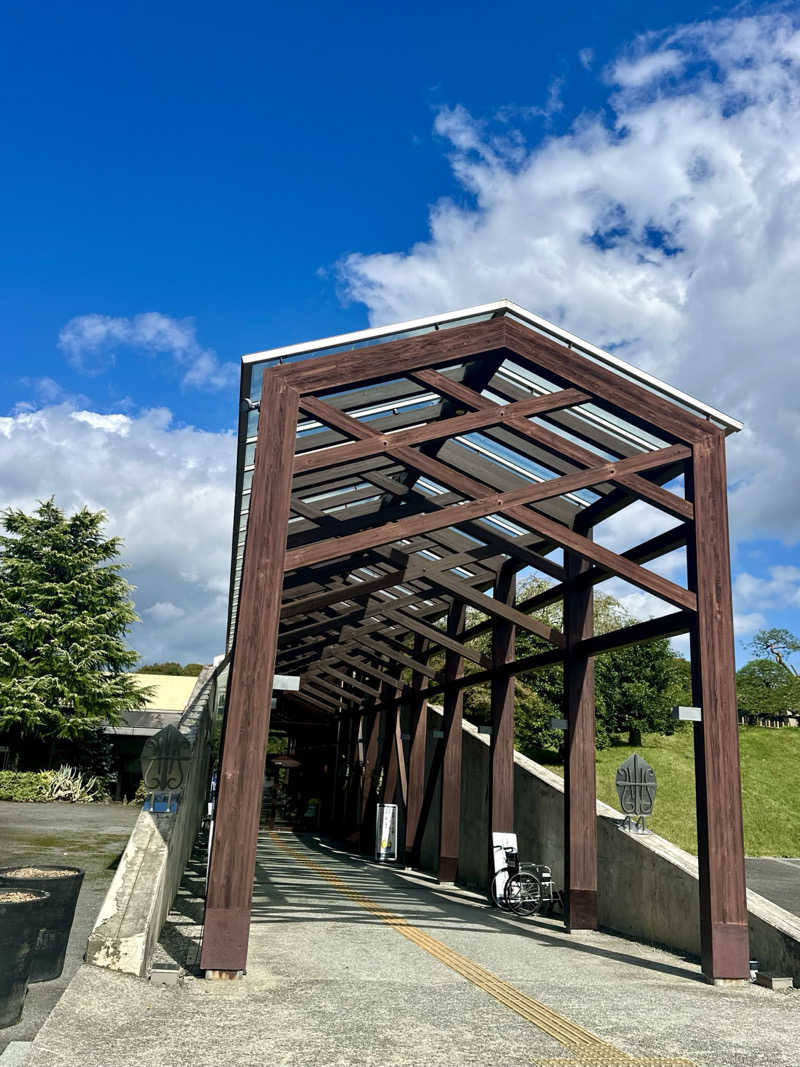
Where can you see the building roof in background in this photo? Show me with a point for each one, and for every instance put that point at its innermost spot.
(172, 691)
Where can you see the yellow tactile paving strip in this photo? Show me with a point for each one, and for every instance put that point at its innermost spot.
(587, 1050)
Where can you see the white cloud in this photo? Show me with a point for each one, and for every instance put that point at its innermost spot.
(778, 591)
(586, 56)
(164, 611)
(168, 492)
(671, 233)
(91, 343)
(634, 73)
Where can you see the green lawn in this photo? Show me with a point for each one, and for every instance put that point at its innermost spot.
(770, 761)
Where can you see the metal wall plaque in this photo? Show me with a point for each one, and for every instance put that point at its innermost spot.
(636, 789)
(165, 760)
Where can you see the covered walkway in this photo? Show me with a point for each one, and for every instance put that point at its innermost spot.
(352, 963)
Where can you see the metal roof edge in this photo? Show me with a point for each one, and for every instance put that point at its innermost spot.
(730, 424)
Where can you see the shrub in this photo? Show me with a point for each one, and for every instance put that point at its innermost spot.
(64, 784)
(25, 785)
(69, 784)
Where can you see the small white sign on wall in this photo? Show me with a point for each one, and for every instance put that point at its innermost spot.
(386, 832)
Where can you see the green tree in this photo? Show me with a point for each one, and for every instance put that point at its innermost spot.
(779, 644)
(765, 687)
(64, 611)
(190, 670)
(635, 687)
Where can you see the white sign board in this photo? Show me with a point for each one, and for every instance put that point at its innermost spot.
(500, 842)
(386, 832)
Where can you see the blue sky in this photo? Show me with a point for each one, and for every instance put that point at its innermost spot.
(181, 186)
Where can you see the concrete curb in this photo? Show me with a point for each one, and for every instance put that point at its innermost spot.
(147, 879)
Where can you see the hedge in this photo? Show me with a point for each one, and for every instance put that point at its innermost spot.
(25, 785)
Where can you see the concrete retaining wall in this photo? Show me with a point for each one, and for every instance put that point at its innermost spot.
(648, 887)
(147, 879)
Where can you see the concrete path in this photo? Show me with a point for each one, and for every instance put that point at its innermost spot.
(91, 836)
(777, 879)
(351, 963)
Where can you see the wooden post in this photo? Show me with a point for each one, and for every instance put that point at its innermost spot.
(450, 820)
(352, 801)
(580, 809)
(724, 942)
(501, 754)
(233, 855)
(416, 754)
(368, 785)
(390, 760)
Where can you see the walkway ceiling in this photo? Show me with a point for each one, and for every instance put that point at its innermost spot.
(433, 453)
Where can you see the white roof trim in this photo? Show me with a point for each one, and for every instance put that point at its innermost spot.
(613, 362)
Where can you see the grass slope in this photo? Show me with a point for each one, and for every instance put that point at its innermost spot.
(770, 761)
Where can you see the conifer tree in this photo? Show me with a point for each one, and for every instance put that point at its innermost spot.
(64, 612)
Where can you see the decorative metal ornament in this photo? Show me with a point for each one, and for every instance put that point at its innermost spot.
(636, 789)
(165, 760)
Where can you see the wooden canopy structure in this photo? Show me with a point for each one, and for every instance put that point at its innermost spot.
(405, 475)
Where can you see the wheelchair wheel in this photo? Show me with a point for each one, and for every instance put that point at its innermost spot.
(497, 888)
(523, 894)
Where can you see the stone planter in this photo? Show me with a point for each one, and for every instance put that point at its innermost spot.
(62, 885)
(22, 912)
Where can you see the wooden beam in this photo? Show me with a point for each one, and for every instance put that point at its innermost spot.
(558, 444)
(230, 882)
(580, 818)
(368, 798)
(648, 550)
(510, 504)
(724, 945)
(402, 774)
(418, 719)
(501, 751)
(388, 443)
(367, 667)
(412, 569)
(390, 358)
(450, 815)
(398, 657)
(493, 607)
(628, 399)
(677, 622)
(427, 464)
(439, 637)
(334, 690)
(354, 683)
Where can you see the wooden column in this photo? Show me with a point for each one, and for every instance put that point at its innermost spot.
(501, 756)
(450, 821)
(724, 942)
(418, 719)
(372, 726)
(580, 818)
(233, 856)
(391, 717)
(352, 804)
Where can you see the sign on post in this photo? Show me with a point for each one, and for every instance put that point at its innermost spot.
(386, 832)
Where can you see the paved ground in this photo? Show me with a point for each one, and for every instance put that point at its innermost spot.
(776, 879)
(355, 964)
(91, 836)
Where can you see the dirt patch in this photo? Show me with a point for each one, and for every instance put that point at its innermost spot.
(39, 872)
(17, 896)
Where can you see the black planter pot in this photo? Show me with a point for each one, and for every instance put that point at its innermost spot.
(62, 885)
(21, 920)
